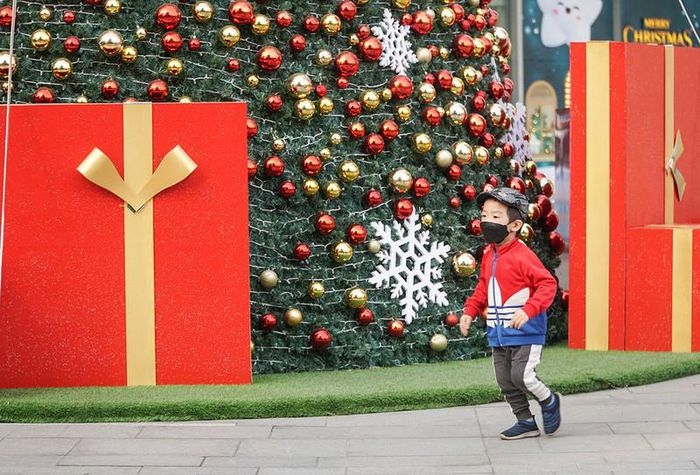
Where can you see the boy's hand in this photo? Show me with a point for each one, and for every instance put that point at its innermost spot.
(465, 322)
(519, 319)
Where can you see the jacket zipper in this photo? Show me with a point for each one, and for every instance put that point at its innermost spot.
(493, 295)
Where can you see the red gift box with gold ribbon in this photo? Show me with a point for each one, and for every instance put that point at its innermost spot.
(125, 256)
(635, 196)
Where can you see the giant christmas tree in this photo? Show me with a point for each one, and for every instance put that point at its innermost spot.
(372, 127)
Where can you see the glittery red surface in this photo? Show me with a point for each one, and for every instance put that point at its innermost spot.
(62, 312)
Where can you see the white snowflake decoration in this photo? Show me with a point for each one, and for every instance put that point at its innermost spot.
(397, 53)
(517, 134)
(410, 265)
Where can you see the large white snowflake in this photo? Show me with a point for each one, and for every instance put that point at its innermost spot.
(410, 265)
(397, 52)
(517, 134)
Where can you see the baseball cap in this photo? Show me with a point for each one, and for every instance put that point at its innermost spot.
(508, 196)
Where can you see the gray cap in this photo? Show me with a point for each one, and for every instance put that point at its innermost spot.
(508, 196)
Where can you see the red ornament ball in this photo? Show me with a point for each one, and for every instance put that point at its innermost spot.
(496, 88)
(406, 19)
(374, 144)
(459, 11)
(565, 299)
(325, 224)
(487, 140)
(357, 234)
(422, 22)
(395, 328)
(233, 65)
(363, 31)
(508, 149)
(274, 102)
(268, 322)
(347, 10)
(342, 82)
(517, 184)
(478, 102)
(547, 187)
(389, 129)
(550, 221)
(451, 320)
(287, 189)
(68, 17)
(373, 198)
(194, 44)
(302, 252)
(311, 24)
(251, 127)
(240, 13)
(370, 48)
(110, 89)
(172, 41)
(71, 44)
(6, 16)
(43, 95)
(320, 339)
(469, 192)
(403, 208)
(347, 64)
(462, 45)
(401, 87)
(364, 316)
(297, 43)
(421, 187)
(273, 166)
(455, 202)
(311, 165)
(353, 108)
(430, 78)
(444, 79)
(431, 116)
(157, 90)
(252, 168)
(476, 124)
(556, 242)
(283, 18)
(321, 90)
(356, 130)
(492, 180)
(454, 172)
(474, 227)
(544, 204)
(168, 16)
(269, 58)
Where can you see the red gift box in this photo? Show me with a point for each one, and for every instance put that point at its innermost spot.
(632, 107)
(96, 291)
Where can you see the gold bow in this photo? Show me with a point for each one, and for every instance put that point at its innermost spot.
(672, 166)
(99, 169)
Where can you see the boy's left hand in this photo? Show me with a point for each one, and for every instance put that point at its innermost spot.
(519, 319)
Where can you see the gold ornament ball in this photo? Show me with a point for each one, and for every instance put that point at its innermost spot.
(112, 7)
(481, 155)
(252, 81)
(330, 22)
(261, 24)
(336, 138)
(278, 145)
(333, 190)
(40, 39)
(479, 47)
(443, 158)
(403, 113)
(81, 99)
(299, 85)
(324, 57)
(315, 290)
(6, 87)
(374, 246)
(530, 168)
(498, 152)
(293, 317)
(141, 33)
(174, 67)
(229, 35)
(421, 142)
(305, 109)
(252, 347)
(370, 100)
(426, 220)
(447, 16)
(457, 86)
(457, 113)
(444, 53)
(348, 171)
(45, 14)
(353, 39)
(111, 42)
(203, 12)
(185, 99)
(310, 187)
(463, 152)
(463, 264)
(129, 54)
(424, 55)
(470, 75)
(402, 4)
(355, 297)
(7, 63)
(401, 180)
(386, 94)
(325, 154)
(438, 343)
(268, 279)
(62, 68)
(427, 92)
(325, 105)
(342, 252)
(526, 232)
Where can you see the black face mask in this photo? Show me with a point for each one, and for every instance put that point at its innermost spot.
(494, 232)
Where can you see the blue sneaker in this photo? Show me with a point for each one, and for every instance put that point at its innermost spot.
(551, 414)
(521, 430)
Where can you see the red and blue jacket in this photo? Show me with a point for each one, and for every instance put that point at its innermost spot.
(512, 277)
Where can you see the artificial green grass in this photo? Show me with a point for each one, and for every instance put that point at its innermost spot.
(340, 392)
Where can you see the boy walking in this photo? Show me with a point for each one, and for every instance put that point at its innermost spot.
(517, 290)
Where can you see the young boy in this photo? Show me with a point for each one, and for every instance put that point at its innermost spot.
(517, 290)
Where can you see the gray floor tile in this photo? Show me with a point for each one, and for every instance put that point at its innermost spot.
(437, 416)
(436, 446)
(29, 460)
(408, 470)
(652, 467)
(376, 432)
(674, 441)
(589, 443)
(405, 460)
(204, 431)
(40, 446)
(202, 448)
(35, 430)
(301, 471)
(296, 448)
(198, 471)
(101, 431)
(673, 427)
(262, 461)
(131, 460)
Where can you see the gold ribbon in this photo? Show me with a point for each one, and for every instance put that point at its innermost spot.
(137, 189)
(672, 166)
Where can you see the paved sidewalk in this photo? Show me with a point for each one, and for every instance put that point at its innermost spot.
(648, 429)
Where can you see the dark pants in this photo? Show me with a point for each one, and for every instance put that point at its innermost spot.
(515, 374)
